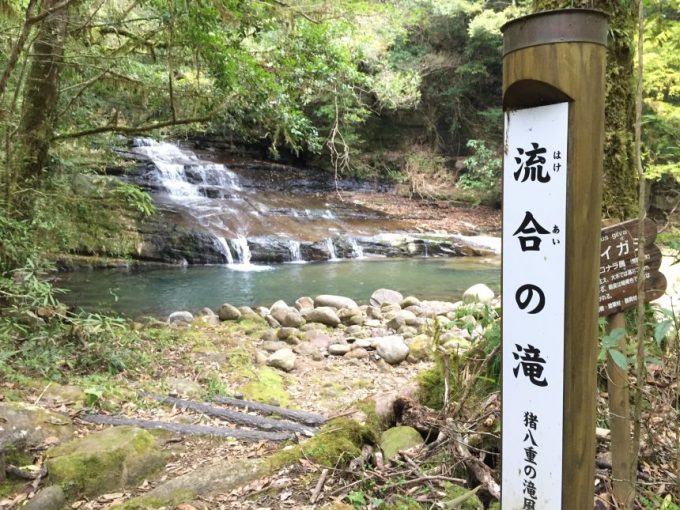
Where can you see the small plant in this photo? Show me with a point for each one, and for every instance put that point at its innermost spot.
(483, 171)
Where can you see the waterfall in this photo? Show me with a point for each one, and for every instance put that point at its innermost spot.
(295, 253)
(224, 246)
(426, 244)
(331, 249)
(357, 250)
(242, 250)
(182, 174)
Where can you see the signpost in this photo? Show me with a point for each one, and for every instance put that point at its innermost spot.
(619, 267)
(553, 97)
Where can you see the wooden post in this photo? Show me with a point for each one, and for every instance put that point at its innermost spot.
(559, 57)
(620, 421)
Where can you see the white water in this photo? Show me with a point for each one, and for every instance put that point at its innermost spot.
(225, 249)
(331, 249)
(295, 253)
(357, 250)
(243, 254)
(183, 174)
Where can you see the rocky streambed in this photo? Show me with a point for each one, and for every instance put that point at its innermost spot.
(321, 355)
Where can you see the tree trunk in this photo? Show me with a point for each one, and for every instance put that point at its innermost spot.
(619, 198)
(41, 95)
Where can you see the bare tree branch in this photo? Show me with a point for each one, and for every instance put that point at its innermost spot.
(131, 129)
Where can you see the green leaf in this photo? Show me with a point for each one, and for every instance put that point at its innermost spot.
(613, 339)
(661, 331)
(619, 358)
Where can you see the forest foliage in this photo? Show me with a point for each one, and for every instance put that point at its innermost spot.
(391, 89)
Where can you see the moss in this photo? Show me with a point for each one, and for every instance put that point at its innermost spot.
(455, 491)
(10, 487)
(431, 386)
(400, 502)
(338, 442)
(104, 461)
(266, 385)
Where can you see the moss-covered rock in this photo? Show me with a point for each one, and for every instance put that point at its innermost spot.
(495, 506)
(104, 461)
(465, 498)
(420, 349)
(397, 439)
(266, 385)
(33, 423)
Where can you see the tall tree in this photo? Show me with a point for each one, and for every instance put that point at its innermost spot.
(620, 174)
(41, 92)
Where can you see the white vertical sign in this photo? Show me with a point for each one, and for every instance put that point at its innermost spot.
(534, 227)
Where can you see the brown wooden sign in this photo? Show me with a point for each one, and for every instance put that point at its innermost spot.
(619, 267)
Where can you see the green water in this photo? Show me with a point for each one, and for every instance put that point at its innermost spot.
(163, 291)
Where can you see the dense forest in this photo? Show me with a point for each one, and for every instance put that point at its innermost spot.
(405, 92)
(391, 89)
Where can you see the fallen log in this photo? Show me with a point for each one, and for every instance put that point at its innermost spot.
(311, 419)
(247, 420)
(408, 411)
(181, 428)
(481, 471)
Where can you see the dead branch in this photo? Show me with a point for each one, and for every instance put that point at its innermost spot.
(299, 416)
(195, 430)
(481, 471)
(132, 129)
(248, 420)
(319, 486)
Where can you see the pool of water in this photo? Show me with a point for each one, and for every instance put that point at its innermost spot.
(162, 291)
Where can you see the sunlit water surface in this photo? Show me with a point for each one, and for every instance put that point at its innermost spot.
(162, 291)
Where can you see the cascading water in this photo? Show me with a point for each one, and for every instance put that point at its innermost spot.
(224, 246)
(295, 252)
(183, 175)
(204, 196)
(357, 250)
(331, 249)
(242, 250)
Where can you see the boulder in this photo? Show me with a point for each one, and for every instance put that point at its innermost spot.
(229, 312)
(479, 293)
(304, 303)
(398, 439)
(106, 461)
(318, 338)
(279, 310)
(391, 348)
(249, 314)
(339, 349)
(420, 349)
(396, 323)
(207, 316)
(293, 319)
(323, 315)
(357, 353)
(374, 312)
(385, 296)
(49, 498)
(283, 359)
(409, 301)
(272, 322)
(262, 311)
(334, 301)
(289, 335)
(363, 343)
(180, 318)
(269, 335)
(273, 346)
(31, 425)
(64, 394)
(178, 386)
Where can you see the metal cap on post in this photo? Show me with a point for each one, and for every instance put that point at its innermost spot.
(553, 97)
